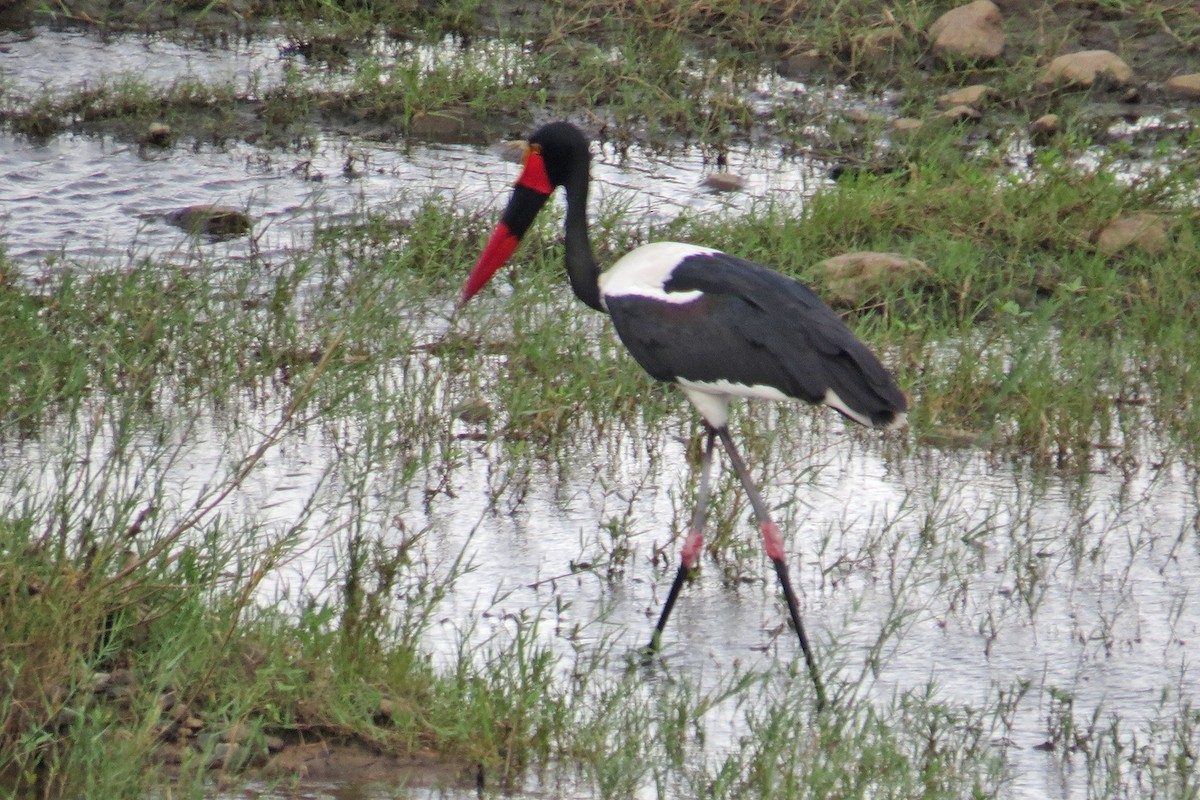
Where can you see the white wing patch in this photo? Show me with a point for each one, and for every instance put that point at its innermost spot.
(644, 271)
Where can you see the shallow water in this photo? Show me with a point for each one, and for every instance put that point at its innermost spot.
(1075, 584)
(91, 200)
(1079, 586)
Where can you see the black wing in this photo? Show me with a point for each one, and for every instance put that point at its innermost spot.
(753, 326)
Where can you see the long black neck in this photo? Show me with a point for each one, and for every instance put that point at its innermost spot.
(581, 263)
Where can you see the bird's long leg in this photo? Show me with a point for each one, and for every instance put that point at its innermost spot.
(690, 556)
(773, 543)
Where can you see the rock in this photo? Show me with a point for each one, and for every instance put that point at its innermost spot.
(972, 32)
(856, 279)
(158, 134)
(447, 124)
(216, 221)
(1044, 127)
(1185, 85)
(1082, 69)
(860, 116)
(961, 113)
(1144, 232)
(906, 124)
(274, 743)
(724, 182)
(966, 96)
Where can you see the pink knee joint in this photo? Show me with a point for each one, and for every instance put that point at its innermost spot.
(773, 542)
(691, 548)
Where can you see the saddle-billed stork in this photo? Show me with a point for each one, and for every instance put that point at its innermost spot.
(717, 325)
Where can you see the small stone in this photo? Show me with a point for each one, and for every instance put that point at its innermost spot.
(966, 96)
(274, 743)
(972, 32)
(443, 124)
(724, 182)
(193, 724)
(860, 116)
(1044, 126)
(1185, 85)
(1144, 232)
(906, 124)
(961, 113)
(158, 134)
(167, 701)
(855, 279)
(1082, 69)
(216, 221)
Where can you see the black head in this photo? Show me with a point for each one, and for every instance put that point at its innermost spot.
(564, 149)
(557, 155)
